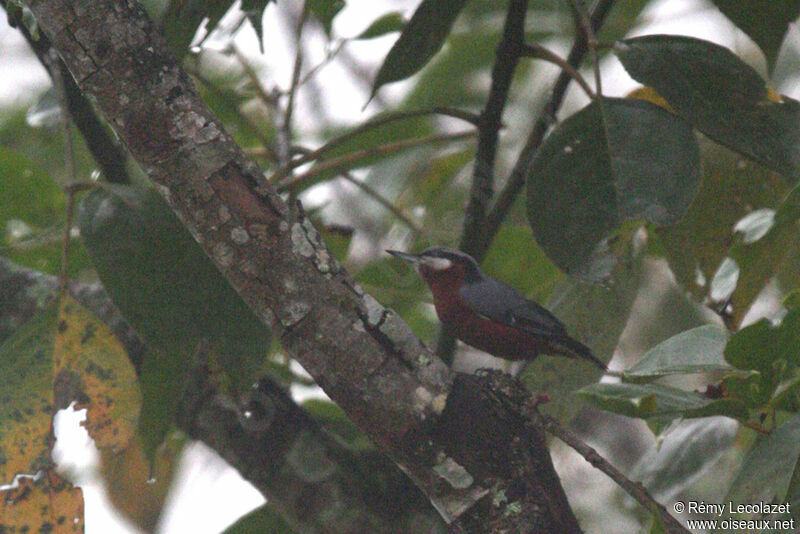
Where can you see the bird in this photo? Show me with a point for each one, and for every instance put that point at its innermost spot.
(488, 314)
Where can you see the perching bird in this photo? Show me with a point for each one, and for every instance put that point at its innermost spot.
(488, 314)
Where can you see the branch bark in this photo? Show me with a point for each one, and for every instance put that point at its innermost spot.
(363, 355)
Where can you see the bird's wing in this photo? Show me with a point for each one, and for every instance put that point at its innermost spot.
(499, 302)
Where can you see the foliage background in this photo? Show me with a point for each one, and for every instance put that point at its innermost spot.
(427, 187)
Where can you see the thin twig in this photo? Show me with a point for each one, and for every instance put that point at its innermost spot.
(69, 160)
(332, 53)
(517, 177)
(269, 98)
(380, 199)
(348, 161)
(292, 92)
(539, 52)
(585, 24)
(634, 489)
(369, 125)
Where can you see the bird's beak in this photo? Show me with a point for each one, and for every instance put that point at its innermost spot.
(410, 258)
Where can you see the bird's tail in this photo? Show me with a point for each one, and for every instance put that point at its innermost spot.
(575, 349)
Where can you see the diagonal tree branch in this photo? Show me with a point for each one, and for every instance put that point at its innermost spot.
(363, 356)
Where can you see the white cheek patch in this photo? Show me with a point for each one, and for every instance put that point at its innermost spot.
(438, 264)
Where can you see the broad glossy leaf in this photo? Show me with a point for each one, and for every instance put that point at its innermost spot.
(765, 22)
(694, 351)
(654, 400)
(138, 485)
(687, 451)
(723, 284)
(768, 467)
(31, 208)
(719, 94)
(171, 293)
(772, 351)
(608, 163)
(420, 40)
(760, 346)
(63, 354)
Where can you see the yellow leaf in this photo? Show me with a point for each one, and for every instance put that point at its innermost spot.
(138, 487)
(46, 504)
(92, 368)
(652, 96)
(26, 397)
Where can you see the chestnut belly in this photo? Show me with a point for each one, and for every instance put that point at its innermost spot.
(495, 338)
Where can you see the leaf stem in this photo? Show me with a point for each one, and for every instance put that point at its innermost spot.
(351, 160)
(539, 52)
(367, 126)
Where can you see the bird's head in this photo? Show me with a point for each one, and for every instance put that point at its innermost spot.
(442, 264)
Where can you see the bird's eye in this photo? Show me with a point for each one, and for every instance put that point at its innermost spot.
(438, 264)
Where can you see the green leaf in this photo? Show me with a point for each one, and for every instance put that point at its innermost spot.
(254, 11)
(420, 40)
(182, 18)
(610, 162)
(26, 396)
(325, 11)
(388, 23)
(30, 194)
(731, 188)
(768, 467)
(594, 315)
(172, 294)
(653, 400)
(759, 259)
(683, 454)
(724, 281)
(697, 350)
(759, 345)
(335, 420)
(719, 94)
(765, 22)
(32, 208)
(263, 519)
(772, 351)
